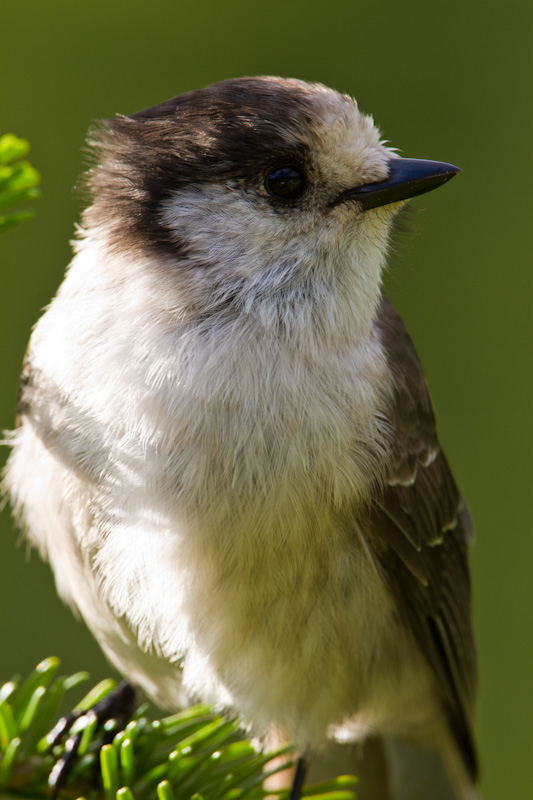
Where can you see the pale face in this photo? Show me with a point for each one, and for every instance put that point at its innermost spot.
(204, 170)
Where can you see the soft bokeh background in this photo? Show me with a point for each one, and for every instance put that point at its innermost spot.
(449, 81)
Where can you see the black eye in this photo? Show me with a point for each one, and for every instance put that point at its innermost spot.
(286, 183)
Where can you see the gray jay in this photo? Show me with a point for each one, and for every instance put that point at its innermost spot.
(226, 448)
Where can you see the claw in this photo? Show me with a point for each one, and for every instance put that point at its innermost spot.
(57, 734)
(117, 706)
(63, 767)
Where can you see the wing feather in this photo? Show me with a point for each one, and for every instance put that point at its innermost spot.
(423, 528)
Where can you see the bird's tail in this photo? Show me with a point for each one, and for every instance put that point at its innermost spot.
(390, 769)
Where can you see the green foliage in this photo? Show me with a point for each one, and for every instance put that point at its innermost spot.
(194, 754)
(18, 179)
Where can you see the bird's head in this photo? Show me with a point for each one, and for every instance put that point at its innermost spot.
(252, 191)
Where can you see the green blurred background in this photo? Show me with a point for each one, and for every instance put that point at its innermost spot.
(449, 81)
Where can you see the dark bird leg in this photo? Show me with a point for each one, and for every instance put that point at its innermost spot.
(117, 706)
(299, 778)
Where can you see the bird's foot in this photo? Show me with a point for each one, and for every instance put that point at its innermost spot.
(116, 708)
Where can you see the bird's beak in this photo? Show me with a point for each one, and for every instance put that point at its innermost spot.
(407, 178)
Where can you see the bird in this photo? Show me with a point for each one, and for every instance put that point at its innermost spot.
(226, 447)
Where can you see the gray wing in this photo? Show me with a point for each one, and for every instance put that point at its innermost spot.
(423, 528)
